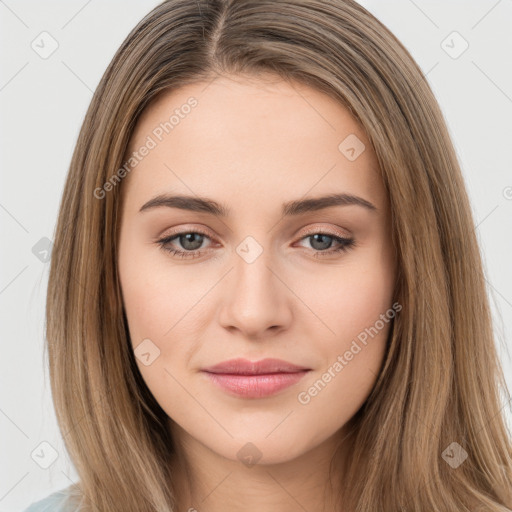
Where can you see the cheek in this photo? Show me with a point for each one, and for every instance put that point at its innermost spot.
(333, 395)
(347, 298)
(159, 298)
(365, 297)
(159, 307)
(164, 310)
(351, 363)
(356, 304)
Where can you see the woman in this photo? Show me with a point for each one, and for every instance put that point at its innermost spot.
(266, 290)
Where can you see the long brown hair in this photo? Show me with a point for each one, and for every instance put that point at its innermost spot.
(440, 381)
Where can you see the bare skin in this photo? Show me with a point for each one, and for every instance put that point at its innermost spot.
(252, 145)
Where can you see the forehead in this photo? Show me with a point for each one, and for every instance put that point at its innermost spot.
(251, 136)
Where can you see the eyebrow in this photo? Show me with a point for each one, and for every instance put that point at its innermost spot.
(291, 208)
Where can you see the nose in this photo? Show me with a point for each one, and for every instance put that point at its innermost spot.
(255, 299)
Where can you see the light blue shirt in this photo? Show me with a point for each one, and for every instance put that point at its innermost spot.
(52, 503)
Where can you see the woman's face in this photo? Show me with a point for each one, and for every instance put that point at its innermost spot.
(263, 270)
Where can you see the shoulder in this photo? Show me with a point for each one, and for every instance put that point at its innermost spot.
(55, 502)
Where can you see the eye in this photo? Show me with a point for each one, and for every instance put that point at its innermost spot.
(191, 241)
(321, 243)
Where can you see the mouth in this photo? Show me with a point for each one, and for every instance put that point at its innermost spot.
(259, 379)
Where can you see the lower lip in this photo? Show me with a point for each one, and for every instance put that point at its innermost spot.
(255, 386)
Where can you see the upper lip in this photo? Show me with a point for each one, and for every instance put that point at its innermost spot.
(246, 367)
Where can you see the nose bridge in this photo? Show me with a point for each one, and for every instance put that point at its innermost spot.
(255, 299)
(254, 281)
(252, 264)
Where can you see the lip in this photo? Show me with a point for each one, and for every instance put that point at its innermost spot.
(245, 367)
(257, 379)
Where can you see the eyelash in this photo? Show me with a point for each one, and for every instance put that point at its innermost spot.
(345, 244)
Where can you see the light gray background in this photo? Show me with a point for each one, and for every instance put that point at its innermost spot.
(43, 102)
